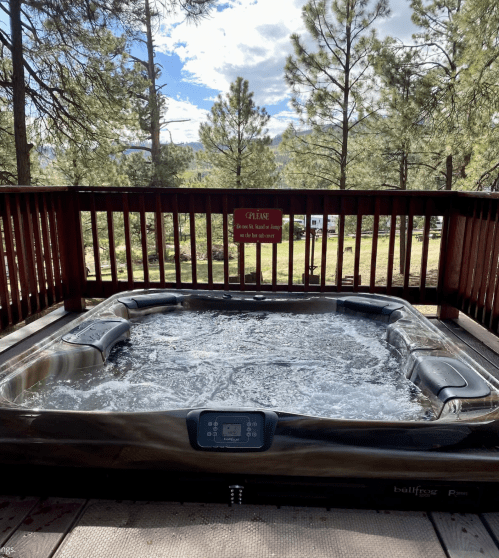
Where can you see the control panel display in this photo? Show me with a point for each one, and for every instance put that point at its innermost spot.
(231, 430)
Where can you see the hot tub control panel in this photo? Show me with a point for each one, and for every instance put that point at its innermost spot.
(234, 430)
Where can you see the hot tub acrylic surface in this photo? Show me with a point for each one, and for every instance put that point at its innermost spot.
(453, 435)
(324, 364)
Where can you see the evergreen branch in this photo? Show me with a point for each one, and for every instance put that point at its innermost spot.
(141, 147)
(143, 62)
(5, 41)
(485, 175)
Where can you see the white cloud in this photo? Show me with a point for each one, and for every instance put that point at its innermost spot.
(182, 131)
(248, 39)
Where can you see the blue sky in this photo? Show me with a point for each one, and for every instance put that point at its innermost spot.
(248, 38)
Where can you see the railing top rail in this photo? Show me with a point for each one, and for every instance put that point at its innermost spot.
(264, 191)
(486, 195)
(28, 189)
(8, 189)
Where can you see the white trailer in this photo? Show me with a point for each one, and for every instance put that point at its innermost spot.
(317, 222)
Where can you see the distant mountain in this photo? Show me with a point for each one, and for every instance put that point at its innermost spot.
(196, 145)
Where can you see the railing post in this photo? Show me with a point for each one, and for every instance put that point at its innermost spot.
(71, 246)
(451, 257)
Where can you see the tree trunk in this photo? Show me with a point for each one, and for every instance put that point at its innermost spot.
(346, 95)
(153, 102)
(448, 173)
(403, 169)
(19, 96)
(154, 116)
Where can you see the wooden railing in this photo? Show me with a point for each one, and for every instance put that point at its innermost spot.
(75, 243)
(471, 281)
(30, 252)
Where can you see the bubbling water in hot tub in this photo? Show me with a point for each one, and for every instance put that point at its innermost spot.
(321, 364)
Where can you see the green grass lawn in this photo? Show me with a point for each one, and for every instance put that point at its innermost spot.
(299, 262)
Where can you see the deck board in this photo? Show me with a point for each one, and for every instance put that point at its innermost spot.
(42, 530)
(491, 521)
(464, 535)
(13, 510)
(108, 529)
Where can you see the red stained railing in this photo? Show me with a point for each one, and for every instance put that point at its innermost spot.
(77, 243)
(186, 208)
(471, 281)
(30, 258)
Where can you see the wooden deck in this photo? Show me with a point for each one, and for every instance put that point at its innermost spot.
(77, 528)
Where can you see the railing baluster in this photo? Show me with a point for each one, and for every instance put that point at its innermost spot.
(56, 248)
(6, 317)
(209, 249)
(192, 224)
(21, 257)
(473, 255)
(408, 248)
(28, 241)
(274, 255)
(467, 247)
(95, 242)
(241, 270)
(493, 274)
(487, 263)
(258, 265)
(341, 247)
(324, 243)
(48, 257)
(225, 225)
(128, 242)
(358, 240)
(13, 267)
(291, 245)
(494, 320)
(391, 247)
(484, 248)
(308, 263)
(424, 255)
(112, 245)
(176, 243)
(159, 222)
(143, 241)
(374, 247)
(274, 266)
(38, 247)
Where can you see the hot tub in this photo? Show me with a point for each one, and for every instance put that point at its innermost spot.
(454, 439)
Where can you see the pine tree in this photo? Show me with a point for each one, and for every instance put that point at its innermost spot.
(174, 160)
(440, 46)
(61, 55)
(151, 105)
(330, 85)
(235, 142)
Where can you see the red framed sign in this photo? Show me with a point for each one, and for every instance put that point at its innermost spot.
(258, 225)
